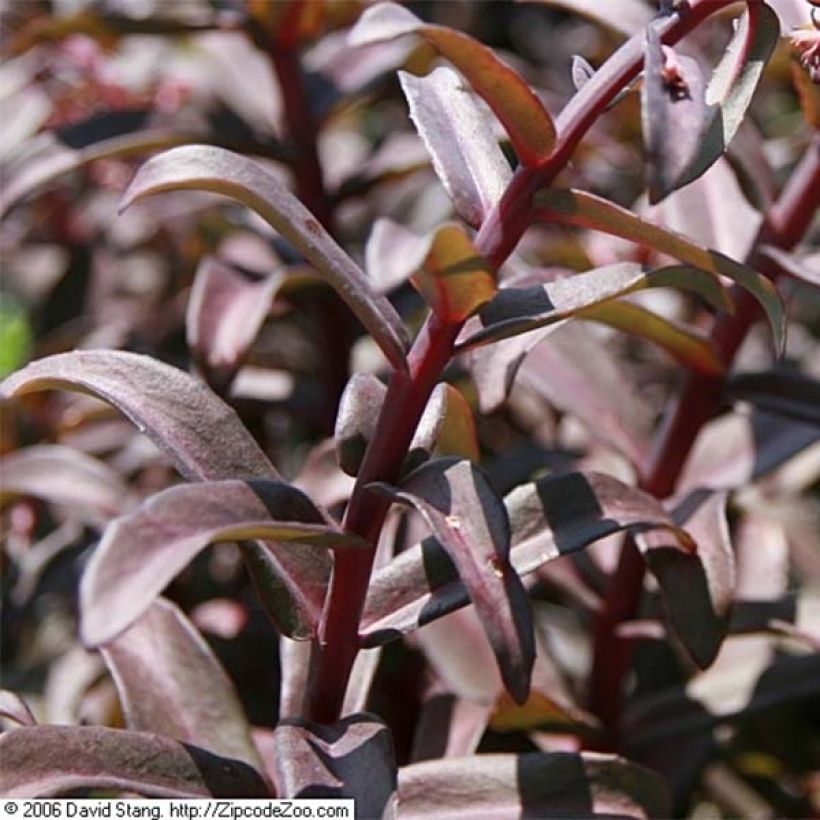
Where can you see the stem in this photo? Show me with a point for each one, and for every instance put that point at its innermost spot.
(698, 401)
(407, 394)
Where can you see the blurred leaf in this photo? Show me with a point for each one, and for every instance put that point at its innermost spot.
(792, 265)
(454, 280)
(351, 758)
(733, 85)
(49, 761)
(522, 114)
(202, 167)
(459, 136)
(179, 414)
(688, 345)
(448, 726)
(16, 337)
(516, 310)
(170, 682)
(808, 92)
(469, 520)
(781, 392)
(225, 313)
(64, 476)
(570, 207)
(624, 16)
(140, 553)
(673, 112)
(13, 707)
(505, 786)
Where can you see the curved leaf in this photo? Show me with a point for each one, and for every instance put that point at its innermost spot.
(506, 786)
(626, 17)
(522, 114)
(140, 553)
(792, 265)
(459, 137)
(571, 207)
(351, 758)
(781, 392)
(207, 168)
(64, 476)
(469, 520)
(13, 707)
(179, 414)
(169, 682)
(48, 761)
(393, 253)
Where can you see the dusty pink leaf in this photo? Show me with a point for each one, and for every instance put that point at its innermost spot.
(49, 761)
(506, 786)
(469, 520)
(393, 254)
(351, 758)
(225, 313)
(448, 726)
(793, 265)
(460, 138)
(61, 475)
(141, 553)
(169, 682)
(624, 16)
(13, 707)
(202, 167)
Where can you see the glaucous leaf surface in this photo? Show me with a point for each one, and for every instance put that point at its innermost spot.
(170, 682)
(570, 207)
(454, 279)
(673, 111)
(225, 312)
(49, 761)
(522, 114)
(460, 139)
(60, 475)
(141, 552)
(179, 414)
(505, 786)
(469, 520)
(781, 392)
(203, 167)
(733, 85)
(351, 758)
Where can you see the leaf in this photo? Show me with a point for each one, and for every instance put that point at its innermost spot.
(570, 207)
(393, 253)
(61, 475)
(780, 392)
(506, 786)
(624, 16)
(448, 726)
(351, 758)
(140, 553)
(49, 761)
(469, 520)
(688, 345)
(673, 112)
(733, 84)
(223, 172)
(459, 136)
(359, 409)
(169, 682)
(516, 310)
(225, 313)
(16, 336)
(13, 707)
(179, 414)
(522, 114)
(792, 265)
(455, 280)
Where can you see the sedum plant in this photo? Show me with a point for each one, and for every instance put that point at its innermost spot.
(526, 547)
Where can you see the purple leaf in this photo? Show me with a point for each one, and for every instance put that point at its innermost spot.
(393, 254)
(459, 136)
(792, 265)
(359, 409)
(61, 475)
(351, 758)
(624, 16)
(213, 169)
(469, 520)
(140, 553)
(48, 761)
(673, 112)
(169, 682)
(448, 726)
(522, 114)
(13, 707)
(779, 392)
(506, 786)
(226, 310)
(179, 414)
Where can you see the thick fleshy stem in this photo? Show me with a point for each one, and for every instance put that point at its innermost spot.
(698, 400)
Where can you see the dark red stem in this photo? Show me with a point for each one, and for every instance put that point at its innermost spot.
(696, 403)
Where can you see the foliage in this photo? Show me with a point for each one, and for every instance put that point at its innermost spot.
(386, 434)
